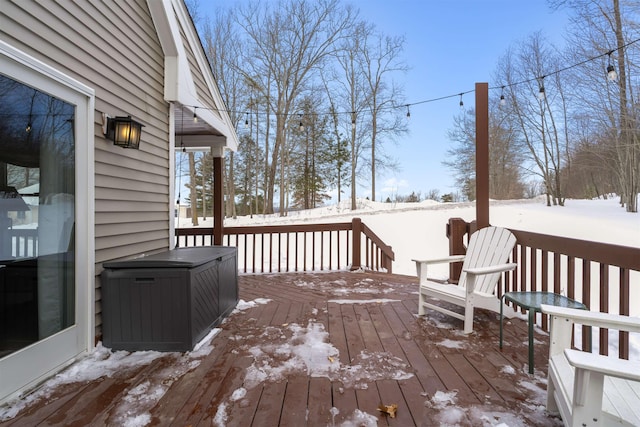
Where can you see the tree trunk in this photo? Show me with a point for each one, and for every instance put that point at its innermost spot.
(353, 166)
(628, 150)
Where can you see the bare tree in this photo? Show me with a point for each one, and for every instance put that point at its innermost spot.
(223, 49)
(602, 30)
(380, 61)
(505, 155)
(336, 140)
(288, 42)
(353, 96)
(538, 110)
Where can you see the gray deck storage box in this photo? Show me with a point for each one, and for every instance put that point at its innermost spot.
(167, 301)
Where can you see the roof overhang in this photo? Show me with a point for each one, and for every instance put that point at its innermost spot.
(177, 37)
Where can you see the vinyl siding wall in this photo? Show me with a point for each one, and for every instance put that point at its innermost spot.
(112, 47)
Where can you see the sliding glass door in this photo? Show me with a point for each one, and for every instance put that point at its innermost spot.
(44, 319)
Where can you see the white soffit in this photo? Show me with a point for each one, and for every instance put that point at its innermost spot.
(168, 17)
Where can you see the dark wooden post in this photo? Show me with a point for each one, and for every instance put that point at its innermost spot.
(456, 229)
(218, 201)
(482, 154)
(356, 236)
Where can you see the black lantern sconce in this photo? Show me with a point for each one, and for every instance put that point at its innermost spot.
(124, 131)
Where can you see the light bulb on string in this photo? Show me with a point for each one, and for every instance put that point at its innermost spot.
(353, 120)
(408, 112)
(28, 128)
(612, 75)
(503, 101)
(461, 103)
(301, 126)
(541, 94)
(195, 116)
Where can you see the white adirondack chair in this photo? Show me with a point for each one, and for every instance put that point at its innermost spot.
(487, 255)
(589, 389)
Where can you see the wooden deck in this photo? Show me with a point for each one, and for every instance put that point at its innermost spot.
(372, 351)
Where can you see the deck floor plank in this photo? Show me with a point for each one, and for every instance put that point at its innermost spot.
(224, 385)
(368, 331)
(270, 408)
(320, 402)
(294, 402)
(164, 413)
(345, 401)
(368, 401)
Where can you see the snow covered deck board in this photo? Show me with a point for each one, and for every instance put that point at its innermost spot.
(377, 352)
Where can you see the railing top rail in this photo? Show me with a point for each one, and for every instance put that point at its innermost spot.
(194, 231)
(264, 229)
(605, 253)
(288, 228)
(386, 249)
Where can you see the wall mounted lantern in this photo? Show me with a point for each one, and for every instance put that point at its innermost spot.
(124, 131)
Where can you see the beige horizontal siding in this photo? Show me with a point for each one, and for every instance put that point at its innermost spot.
(108, 218)
(111, 253)
(112, 47)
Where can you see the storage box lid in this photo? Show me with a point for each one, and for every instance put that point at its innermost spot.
(175, 258)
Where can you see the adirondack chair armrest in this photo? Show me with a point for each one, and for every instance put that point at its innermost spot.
(491, 269)
(449, 259)
(422, 265)
(592, 318)
(610, 366)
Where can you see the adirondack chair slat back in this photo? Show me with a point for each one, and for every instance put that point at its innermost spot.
(487, 246)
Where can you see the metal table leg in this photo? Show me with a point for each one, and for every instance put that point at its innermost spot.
(532, 318)
(501, 314)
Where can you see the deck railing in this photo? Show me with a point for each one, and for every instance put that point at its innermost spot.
(24, 242)
(597, 274)
(300, 247)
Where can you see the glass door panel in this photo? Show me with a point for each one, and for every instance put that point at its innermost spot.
(37, 215)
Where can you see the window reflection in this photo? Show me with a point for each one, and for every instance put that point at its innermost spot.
(37, 215)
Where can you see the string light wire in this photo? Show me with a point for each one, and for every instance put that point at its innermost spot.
(460, 94)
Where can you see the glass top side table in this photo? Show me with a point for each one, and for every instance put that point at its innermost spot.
(531, 301)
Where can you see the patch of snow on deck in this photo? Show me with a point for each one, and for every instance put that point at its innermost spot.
(305, 350)
(104, 362)
(363, 301)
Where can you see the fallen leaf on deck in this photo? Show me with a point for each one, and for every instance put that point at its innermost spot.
(389, 409)
(331, 359)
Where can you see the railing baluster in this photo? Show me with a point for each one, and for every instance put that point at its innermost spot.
(545, 270)
(347, 256)
(604, 306)
(624, 309)
(338, 248)
(304, 258)
(523, 272)
(586, 300)
(330, 250)
(313, 250)
(245, 253)
(253, 254)
(287, 251)
(262, 257)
